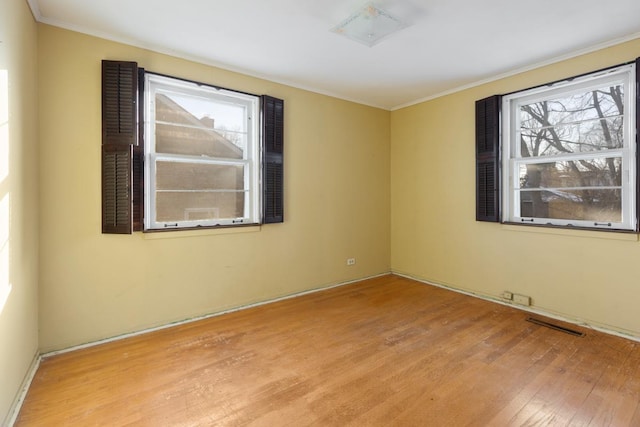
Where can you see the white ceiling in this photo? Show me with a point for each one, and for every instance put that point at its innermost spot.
(449, 44)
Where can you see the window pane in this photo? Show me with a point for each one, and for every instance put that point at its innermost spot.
(197, 191)
(583, 137)
(197, 126)
(569, 158)
(173, 139)
(193, 206)
(587, 205)
(583, 122)
(198, 176)
(202, 157)
(599, 172)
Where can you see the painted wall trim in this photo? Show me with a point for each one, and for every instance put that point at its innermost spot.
(12, 416)
(14, 410)
(205, 316)
(541, 312)
(200, 60)
(531, 67)
(35, 9)
(194, 58)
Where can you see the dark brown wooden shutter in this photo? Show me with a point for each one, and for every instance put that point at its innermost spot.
(137, 197)
(116, 188)
(119, 102)
(273, 160)
(137, 188)
(488, 159)
(122, 154)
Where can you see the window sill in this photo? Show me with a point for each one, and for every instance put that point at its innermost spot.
(199, 232)
(630, 236)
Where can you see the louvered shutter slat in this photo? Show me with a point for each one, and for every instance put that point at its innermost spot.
(119, 137)
(273, 160)
(116, 187)
(487, 159)
(119, 102)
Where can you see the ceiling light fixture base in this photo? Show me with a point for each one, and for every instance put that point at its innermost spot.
(369, 25)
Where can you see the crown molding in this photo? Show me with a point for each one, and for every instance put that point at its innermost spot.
(35, 9)
(531, 67)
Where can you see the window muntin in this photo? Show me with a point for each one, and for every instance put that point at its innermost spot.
(569, 152)
(202, 155)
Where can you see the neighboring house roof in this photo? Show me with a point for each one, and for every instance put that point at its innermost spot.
(558, 194)
(197, 137)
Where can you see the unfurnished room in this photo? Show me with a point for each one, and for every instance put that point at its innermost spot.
(319, 213)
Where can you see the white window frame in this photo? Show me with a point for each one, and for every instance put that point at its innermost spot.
(252, 158)
(511, 156)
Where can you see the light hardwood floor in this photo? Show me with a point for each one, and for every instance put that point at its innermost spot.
(383, 352)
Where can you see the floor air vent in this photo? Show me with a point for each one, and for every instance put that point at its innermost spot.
(556, 327)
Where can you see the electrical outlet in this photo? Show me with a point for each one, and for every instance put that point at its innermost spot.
(507, 295)
(521, 299)
(351, 261)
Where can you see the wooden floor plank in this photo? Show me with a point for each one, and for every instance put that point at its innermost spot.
(385, 351)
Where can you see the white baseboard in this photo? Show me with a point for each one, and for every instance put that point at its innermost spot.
(206, 316)
(24, 388)
(541, 312)
(12, 416)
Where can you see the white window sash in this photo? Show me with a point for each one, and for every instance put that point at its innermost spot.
(251, 160)
(512, 159)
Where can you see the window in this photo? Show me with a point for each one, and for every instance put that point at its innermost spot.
(568, 153)
(202, 158)
(180, 154)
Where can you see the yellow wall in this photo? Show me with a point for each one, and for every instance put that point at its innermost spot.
(394, 190)
(95, 286)
(588, 276)
(18, 199)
